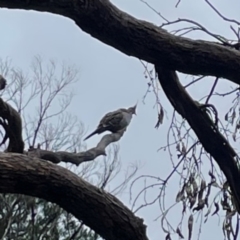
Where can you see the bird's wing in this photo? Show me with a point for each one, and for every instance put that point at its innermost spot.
(111, 119)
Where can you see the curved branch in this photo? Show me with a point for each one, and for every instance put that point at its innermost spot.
(12, 124)
(205, 129)
(31, 176)
(140, 38)
(3, 82)
(78, 158)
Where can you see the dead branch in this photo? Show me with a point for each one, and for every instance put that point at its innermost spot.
(78, 158)
(98, 209)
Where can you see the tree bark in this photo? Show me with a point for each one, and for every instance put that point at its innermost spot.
(99, 210)
(141, 39)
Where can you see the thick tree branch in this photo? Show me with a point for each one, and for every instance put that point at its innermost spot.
(141, 39)
(101, 211)
(3, 82)
(78, 158)
(212, 140)
(12, 124)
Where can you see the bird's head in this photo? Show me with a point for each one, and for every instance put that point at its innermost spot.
(133, 109)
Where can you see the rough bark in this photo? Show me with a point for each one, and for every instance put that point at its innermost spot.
(141, 39)
(99, 210)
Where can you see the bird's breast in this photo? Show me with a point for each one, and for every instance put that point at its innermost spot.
(127, 118)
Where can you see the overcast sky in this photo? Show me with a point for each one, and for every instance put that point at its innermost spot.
(110, 80)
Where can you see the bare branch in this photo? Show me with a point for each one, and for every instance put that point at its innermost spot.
(219, 14)
(78, 158)
(199, 27)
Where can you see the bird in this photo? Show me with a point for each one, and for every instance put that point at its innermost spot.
(114, 121)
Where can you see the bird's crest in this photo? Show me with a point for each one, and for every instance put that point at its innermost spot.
(133, 109)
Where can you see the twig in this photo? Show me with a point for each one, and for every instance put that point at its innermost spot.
(194, 81)
(216, 36)
(227, 93)
(212, 89)
(219, 14)
(158, 13)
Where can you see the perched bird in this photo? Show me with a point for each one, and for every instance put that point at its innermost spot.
(114, 121)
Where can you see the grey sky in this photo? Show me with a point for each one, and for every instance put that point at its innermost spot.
(110, 79)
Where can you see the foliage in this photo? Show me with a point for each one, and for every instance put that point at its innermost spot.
(24, 217)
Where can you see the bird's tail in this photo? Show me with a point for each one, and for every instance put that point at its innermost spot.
(97, 131)
(91, 134)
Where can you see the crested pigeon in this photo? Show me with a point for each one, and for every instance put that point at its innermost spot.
(114, 121)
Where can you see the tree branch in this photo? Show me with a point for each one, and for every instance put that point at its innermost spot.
(78, 158)
(141, 39)
(212, 140)
(101, 211)
(3, 82)
(12, 124)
